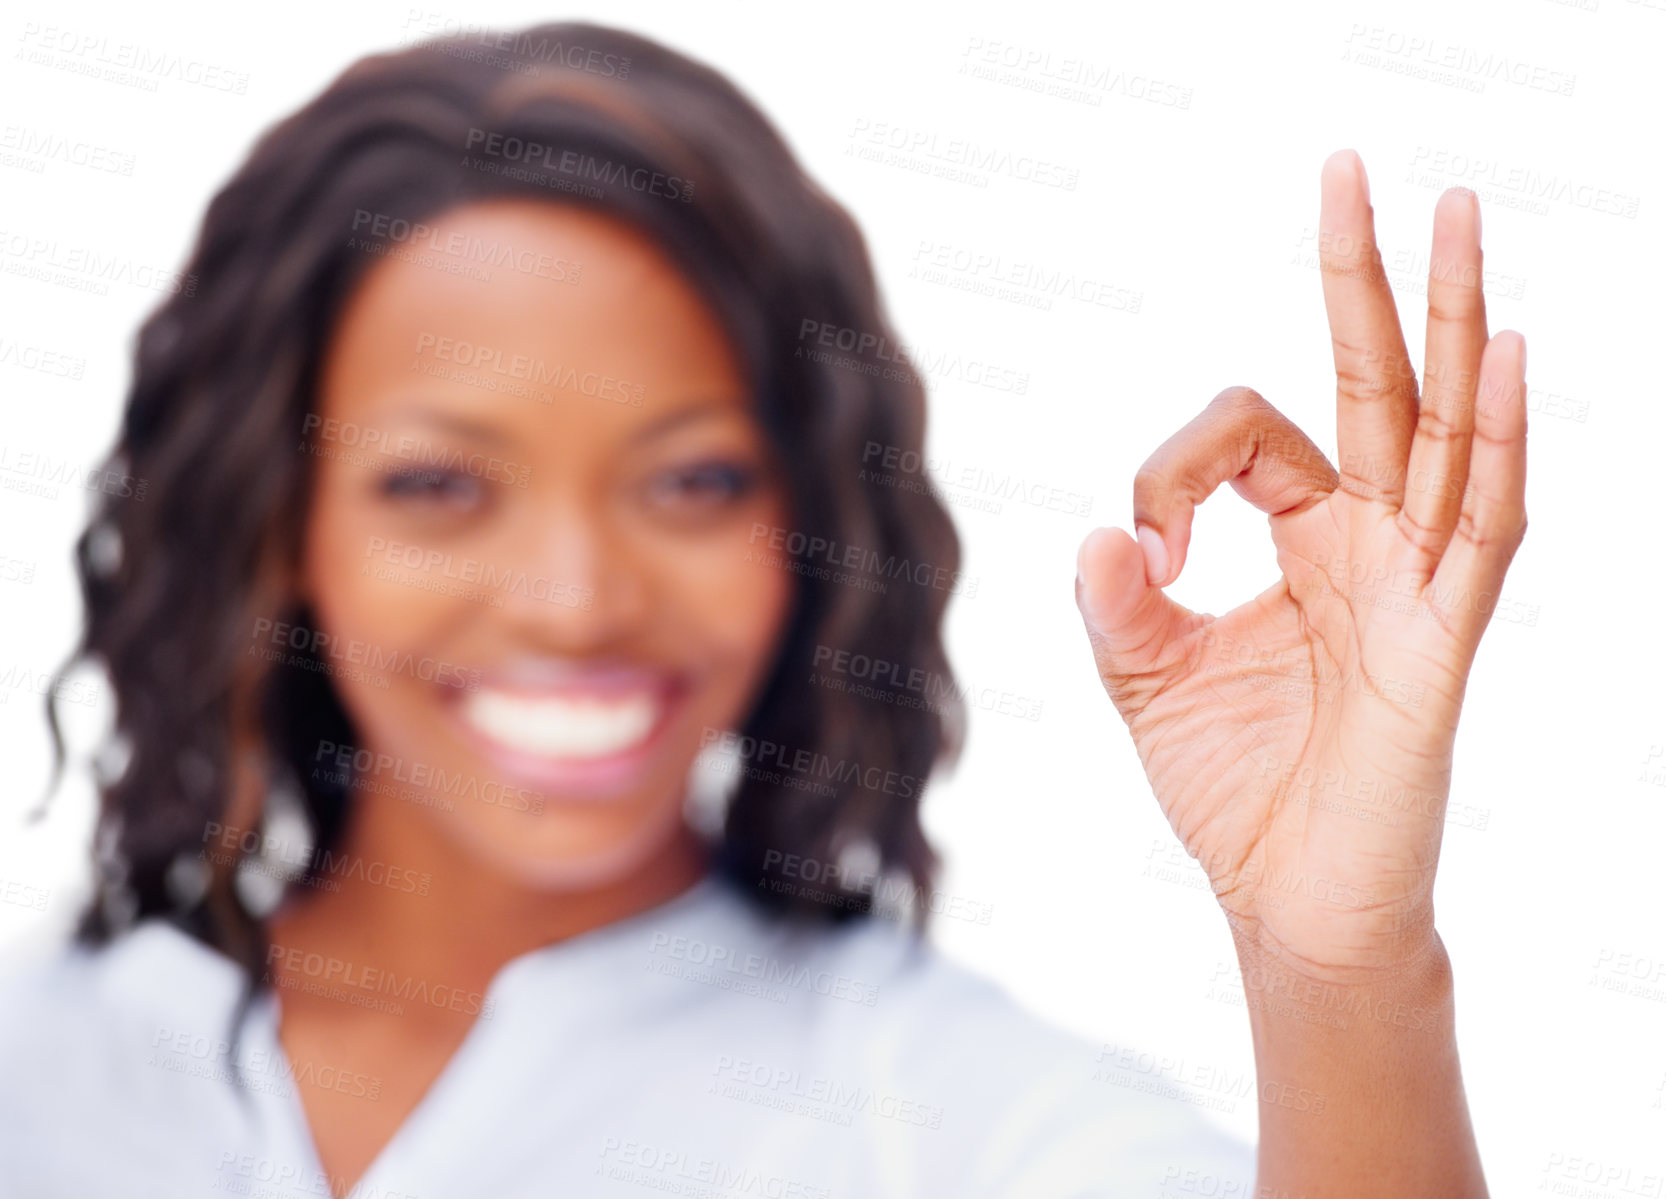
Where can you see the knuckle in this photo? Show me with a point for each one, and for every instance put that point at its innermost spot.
(1434, 425)
(1423, 536)
(1364, 487)
(1360, 373)
(1150, 482)
(1363, 373)
(1483, 434)
(1354, 383)
(1487, 535)
(1362, 263)
(1240, 399)
(1453, 303)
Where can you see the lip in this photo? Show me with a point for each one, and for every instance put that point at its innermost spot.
(587, 780)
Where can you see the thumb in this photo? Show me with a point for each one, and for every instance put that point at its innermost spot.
(1131, 624)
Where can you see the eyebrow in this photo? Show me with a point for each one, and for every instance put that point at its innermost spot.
(463, 426)
(682, 416)
(457, 424)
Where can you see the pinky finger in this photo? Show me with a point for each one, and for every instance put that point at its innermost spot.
(1493, 516)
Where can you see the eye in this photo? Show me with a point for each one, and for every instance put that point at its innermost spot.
(705, 484)
(443, 488)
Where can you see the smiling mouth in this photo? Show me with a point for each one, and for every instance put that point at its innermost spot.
(579, 733)
(566, 728)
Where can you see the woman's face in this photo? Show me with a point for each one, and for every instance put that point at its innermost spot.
(546, 480)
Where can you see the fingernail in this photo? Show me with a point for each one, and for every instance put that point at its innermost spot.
(1156, 555)
(1081, 560)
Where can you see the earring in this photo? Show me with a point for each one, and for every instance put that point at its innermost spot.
(117, 901)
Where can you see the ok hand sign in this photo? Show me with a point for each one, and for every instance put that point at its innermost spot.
(1301, 744)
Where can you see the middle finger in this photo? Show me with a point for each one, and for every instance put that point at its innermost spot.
(1457, 333)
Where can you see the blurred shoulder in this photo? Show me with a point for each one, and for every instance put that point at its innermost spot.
(56, 994)
(108, 1045)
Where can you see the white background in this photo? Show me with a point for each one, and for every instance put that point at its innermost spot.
(1196, 198)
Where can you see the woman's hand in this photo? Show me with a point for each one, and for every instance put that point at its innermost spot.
(1301, 744)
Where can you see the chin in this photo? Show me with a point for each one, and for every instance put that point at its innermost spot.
(568, 852)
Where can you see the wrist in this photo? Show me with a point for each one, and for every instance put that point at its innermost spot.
(1408, 990)
(1393, 942)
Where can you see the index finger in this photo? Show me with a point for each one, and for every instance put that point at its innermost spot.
(1239, 438)
(1376, 387)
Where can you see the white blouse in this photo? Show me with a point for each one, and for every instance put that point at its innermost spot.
(694, 1049)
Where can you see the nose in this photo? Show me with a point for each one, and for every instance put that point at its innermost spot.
(575, 584)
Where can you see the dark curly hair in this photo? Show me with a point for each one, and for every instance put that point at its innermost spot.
(224, 374)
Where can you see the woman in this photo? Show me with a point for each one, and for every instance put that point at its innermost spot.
(499, 506)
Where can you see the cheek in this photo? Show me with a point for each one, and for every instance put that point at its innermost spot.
(735, 592)
(366, 596)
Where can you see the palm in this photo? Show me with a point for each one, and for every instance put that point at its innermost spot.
(1297, 742)
(1301, 744)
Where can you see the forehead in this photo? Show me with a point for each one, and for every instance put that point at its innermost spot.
(523, 278)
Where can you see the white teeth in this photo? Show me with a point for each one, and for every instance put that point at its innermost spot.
(562, 728)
